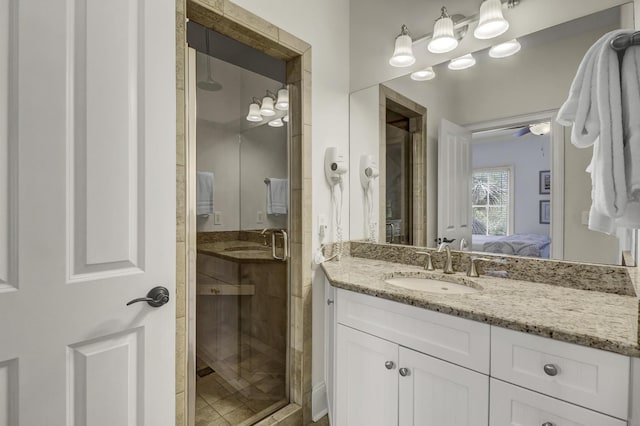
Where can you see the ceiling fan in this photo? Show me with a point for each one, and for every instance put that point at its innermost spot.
(538, 129)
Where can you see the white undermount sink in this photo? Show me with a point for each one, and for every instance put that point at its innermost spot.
(434, 284)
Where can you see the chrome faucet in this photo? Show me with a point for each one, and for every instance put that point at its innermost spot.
(448, 264)
(264, 237)
(472, 271)
(464, 245)
(428, 264)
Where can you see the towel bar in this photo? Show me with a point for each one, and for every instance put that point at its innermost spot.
(623, 41)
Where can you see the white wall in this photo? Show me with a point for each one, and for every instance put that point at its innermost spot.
(527, 155)
(324, 25)
(374, 27)
(263, 153)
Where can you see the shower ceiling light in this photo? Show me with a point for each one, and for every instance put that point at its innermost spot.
(403, 52)
(443, 39)
(283, 100)
(503, 50)
(463, 62)
(254, 112)
(266, 109)
(423, 75)
(491, 23)
(276, 123)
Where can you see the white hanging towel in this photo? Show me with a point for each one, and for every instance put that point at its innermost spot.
(277, 196)
(204, 193)
(594, 107)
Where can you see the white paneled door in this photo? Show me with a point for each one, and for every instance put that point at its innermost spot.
(87, 212)
(454, 182)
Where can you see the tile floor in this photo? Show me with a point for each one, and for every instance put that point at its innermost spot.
(243, 388)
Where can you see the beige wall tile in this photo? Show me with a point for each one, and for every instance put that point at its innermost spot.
(294, 73)
(306, 60)
(306, 152)
(214, 5)
(248, 19)
(292, 41)
(180, 409)
(181, 195)
(181, 347)
(295, 108)
(180, 127)
(296, 165)
(306, 97)
(181, 278)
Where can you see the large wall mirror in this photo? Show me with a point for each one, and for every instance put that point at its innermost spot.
(526, 191)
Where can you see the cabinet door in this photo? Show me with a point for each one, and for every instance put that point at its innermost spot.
(515, 406)
(367, 390)
(435, 392)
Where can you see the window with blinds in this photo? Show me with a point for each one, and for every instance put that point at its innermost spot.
(491, 201)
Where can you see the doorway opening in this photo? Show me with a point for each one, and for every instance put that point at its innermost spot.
(402, 199)
(242, 224)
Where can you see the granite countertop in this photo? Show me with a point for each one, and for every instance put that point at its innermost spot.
(238, 251)
(589, 318)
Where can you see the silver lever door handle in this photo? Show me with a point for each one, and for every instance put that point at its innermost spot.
(156, 297)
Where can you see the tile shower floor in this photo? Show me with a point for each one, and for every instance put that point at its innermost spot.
(242, 388)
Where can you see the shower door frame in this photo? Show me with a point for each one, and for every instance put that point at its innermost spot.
(231, 20)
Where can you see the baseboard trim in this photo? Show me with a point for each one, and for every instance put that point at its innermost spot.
(319, 401)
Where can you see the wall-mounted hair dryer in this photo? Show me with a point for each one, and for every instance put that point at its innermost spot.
(335, 165)
(368, 170)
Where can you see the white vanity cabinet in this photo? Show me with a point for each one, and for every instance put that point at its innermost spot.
(397, 364)
(380, 381)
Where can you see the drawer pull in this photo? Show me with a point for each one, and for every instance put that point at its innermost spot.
(551, 370)
(390, 365)
(547, 424)
(404, 372)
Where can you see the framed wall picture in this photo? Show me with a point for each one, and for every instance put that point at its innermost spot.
(545, 212)
(545, 182)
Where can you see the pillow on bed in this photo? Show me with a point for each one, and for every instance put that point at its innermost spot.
(478, 227)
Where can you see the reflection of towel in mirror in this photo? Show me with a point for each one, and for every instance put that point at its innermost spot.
(204, 193)
(594, 107)
(277, 195)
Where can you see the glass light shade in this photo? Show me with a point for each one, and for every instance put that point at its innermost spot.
(443, 39)
(267, 107)
(254, 113)
(491, 23)
(423, 75)
(276, 123)
(283, 100)
(463, 62)
(540, 129)
(286, 118)
(505, 49)
(403, 52)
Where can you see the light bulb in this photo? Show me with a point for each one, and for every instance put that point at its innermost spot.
(403, 52)
(267, 107)
(283, 100)
(505, 49)
(254, 113)
(423, 75)
(463, 62)
(286, 118)
(276, 123)
(443, 39)
(491, 23)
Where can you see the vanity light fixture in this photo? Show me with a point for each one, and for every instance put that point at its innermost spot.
(266, 109)
(443, 39)
(403, 52)
(423, 75)
(276, 123)
(254, 111)
(283, 100)
(491, 22)
(505, 49)
(462, 63)
(286, 118)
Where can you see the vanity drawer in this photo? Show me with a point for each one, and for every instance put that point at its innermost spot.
(591, 378)
(459, 341)
(513, 405)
